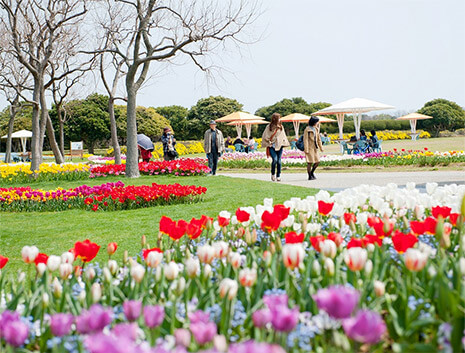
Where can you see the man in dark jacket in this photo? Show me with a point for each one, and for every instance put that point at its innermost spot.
(168, 141)
(213, 145)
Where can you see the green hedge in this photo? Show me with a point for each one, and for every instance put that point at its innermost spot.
(368, 125)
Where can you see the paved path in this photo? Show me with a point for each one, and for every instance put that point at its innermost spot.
(339, 181)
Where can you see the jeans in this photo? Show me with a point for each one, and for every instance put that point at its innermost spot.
(212, 161)
(276, 161)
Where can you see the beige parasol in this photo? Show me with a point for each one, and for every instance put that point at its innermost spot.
(248, 125)
(413, 117)
(297, 118)
(241, 119)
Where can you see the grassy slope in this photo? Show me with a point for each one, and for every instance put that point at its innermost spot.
(55, 233)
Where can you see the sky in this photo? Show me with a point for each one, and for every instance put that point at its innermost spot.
(399, 52)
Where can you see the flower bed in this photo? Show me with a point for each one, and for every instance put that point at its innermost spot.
(179, 167)
(295, 158)
(21, 172)
(107, 197)
(373, 269)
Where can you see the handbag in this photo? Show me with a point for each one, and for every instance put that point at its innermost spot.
(268, 154)
(300, 143)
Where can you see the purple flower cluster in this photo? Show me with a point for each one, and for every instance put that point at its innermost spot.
(201, 327)
(12, 329)
(277, 312)
(94, 320)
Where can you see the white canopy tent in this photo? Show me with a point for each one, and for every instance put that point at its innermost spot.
(241, 118)
(297, 118)
(248, 125)
(413, 117)
(23, 135)
(354, 106)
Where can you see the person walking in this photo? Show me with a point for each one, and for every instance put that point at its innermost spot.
(312, 143)
(169, 142)
(214, 146)
(274, 139)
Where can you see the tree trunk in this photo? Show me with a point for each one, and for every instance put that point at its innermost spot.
(53, 142)
(36, 150)
(114, 131)
(90, 147)
(61, 132)
(132, 157)
(10, 132)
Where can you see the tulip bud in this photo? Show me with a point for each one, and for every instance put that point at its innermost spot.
(65, 270)
(328, 248)
(53, 263)
(113, 267)
(180, 286)
(21, 277)
(96, 292)
(67, 258)
(356, 258)
(82, 297)
(431, 271)
(368, 267)
(143, 241)
(235, 260)
(240, 232)
(41, 267)
(77, 271)
(107, 275)
(154, 258)
(248, 237)
(192, 267)
(57, 288)
(272, 248)
(380, 288)
(90, 273)
(329, 266)
(228, 287)
(29, 253)
(111, 248)
(45, 300)
(137, 272)
(293, 255)
(248, 277)
(462, 266)
(171, 270)
(415, 260)
(206, 253)
(125, 257)
(158, 273)
(221, 249)
(267, 257)
(220, 344)
(370, 247)
(316, 267)
(207, 270)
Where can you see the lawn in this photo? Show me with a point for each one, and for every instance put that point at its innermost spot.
(56, 232)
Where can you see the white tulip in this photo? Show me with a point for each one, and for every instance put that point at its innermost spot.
(67, 258)
(328, 248)
(113, 266)
(107, 275)
(380, 288)
(171, 270)
(154, 258)
(228, 287)
(96, 292)
(192, 267)
(53, 262)
(329, 266)
(221, 249)
(41, 268)
(29, 253)
(137, 272)
(65, 270)
(205, 253)
(57, 288)
(90, 273)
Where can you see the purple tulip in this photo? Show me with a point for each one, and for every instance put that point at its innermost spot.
(284, 319)
(261, 317)
(203, 332)
(15, 333)
(337, 301)
(154, 315)
(125, 329)
(182, 337)
(255, 347)
(132, 309)
(6, 317)
(61, 324)
(93, 320)
(101, 343)
(199, 316)
(275, 300)
(366, 327)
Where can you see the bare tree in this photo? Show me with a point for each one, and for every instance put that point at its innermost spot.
(158, 31)
(37, 30)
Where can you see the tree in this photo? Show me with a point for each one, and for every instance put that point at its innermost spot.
(36, 32)
(162, 31)
(177, 117)
(89, 120)
(207, 109)
(446, 115)
(149, 122)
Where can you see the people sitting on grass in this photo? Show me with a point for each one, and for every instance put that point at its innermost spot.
(374, 141)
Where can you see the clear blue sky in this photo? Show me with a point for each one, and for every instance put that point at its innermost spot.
(399, 52)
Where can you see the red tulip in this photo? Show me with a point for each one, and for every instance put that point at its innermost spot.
(223, 221)
(402, 241)
(271, 221)
(146, 252)
(372, 239)
(242, 216)
(430, 225)
(441, 211)
(417, 227)
(206, 222)
(94, 207)
(194, 229)
(86, 250)
(382, 228)
(166, 224)
(349, 217)
(3, 261)
(282, 210)
(336, 237)
(316, 241)
(111, 248)
(453, 217)
(41, 258)
(355, 243)
(293, 237)
(324, 208)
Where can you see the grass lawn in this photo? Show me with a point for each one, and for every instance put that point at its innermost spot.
(56, 232)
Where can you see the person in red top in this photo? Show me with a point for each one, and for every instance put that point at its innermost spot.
(145, 154)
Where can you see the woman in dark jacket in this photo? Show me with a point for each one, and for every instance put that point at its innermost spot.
(168, 141)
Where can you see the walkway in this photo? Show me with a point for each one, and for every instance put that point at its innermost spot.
(339, 181)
